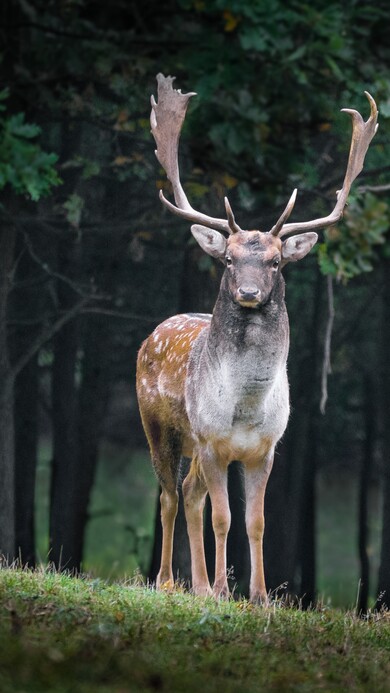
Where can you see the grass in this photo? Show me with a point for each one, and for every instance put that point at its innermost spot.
(62, 634)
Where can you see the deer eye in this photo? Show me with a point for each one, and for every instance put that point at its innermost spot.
(228, 261)
(275, 264)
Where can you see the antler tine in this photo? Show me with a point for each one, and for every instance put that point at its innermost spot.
(166, 119)
(283, 218)
(362, 134)
(233, 226)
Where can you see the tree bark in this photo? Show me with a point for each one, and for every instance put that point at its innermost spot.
(306, 555)
(66, 344)
(383, 594)
(92, 406)
(7, 452)
(26, 450)
(364, 483)
(63, 527)
(280, 522)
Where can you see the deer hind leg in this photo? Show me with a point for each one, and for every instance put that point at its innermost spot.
(165, 448)
(194, 492)
(216, 479)
(255, 485)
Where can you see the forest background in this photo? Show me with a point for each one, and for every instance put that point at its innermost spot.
(90, 263)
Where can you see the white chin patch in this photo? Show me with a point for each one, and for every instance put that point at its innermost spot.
(249, 304)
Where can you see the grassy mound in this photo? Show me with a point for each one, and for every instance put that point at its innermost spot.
(60, 634)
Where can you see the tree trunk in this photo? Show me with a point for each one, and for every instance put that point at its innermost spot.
(306, 555)
(307, 538)
(92, 406)
(383, 598)
(26, 449)
(7, 459)
(63, 537)
(280, 524)
(63, 526)
(364, 483)
(27, 305)
(7, 507)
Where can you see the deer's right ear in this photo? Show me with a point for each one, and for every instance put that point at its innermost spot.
(211, 241)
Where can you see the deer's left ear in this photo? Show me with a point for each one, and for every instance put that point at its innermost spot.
(296, 247)
(211, 241)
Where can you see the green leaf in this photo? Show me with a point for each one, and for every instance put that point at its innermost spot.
(74, 206)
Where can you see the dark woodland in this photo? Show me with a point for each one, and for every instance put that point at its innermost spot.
(90, 262)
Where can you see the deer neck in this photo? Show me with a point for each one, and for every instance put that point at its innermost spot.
(262, 332)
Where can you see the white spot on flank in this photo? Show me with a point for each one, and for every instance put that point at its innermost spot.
(146, 385)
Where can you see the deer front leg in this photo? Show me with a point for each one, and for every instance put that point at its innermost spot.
(255, 485)
(216, 480)
(194, 492)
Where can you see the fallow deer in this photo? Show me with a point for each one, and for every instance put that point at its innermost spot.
(214, 387)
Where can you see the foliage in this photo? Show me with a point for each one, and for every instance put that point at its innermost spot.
(23, 164)
(355, 245)
(59, 633)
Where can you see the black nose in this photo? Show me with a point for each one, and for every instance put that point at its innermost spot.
(249, 292)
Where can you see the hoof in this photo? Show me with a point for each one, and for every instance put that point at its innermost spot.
(259, 599)
(165, 585)
(202, 590)
(221, 591)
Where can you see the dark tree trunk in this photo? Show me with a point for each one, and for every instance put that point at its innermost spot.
(280, 523)
(7, 458)
(308, 572)
(383, 598)
(364, 484)
(306, 544)
(63, 510)
(27, 306)
(92, 406)
(63, 538)
(7, 508)
(26, 449)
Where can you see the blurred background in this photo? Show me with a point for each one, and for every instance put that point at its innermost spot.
(90, 262)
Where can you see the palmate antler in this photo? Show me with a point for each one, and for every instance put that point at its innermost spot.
(167, 118)
(362, 134)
